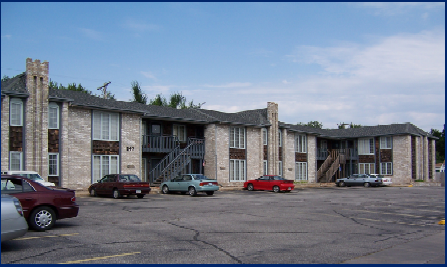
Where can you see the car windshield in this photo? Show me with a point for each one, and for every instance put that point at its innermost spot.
(130, 178)
(34, 177)
(200, 177)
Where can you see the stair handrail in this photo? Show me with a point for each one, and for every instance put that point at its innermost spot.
(156, 171)
(323, 168)
(333, 169)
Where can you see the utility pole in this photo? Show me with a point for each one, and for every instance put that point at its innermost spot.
(104, 89)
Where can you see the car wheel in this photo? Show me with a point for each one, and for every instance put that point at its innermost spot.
(366, 184)
(140, 196)
(276, 189)
(210, 193)
(116, 194)
(42, 218)
(250, 187)
(93, 193)
(165, 189)
(341, 184)
(192, 191)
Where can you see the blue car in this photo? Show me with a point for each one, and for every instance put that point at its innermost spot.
(190, 183)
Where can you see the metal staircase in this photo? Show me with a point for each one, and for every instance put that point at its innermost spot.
(177, 160)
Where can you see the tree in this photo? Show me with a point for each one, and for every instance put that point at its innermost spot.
(79, 88)
(440, 144)
(343, 125)
(314, 124)
(176, 100)
(138, 95)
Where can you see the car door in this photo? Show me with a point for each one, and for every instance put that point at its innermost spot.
(100, 186)
(351, 180)
(25, 193)
(185, 182)
(110, 184)
(263, 183)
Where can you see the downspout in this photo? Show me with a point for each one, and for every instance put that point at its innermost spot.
(215, 150)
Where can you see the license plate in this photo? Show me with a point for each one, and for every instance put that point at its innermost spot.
(138, 191)
(290, 188)
(210, 183)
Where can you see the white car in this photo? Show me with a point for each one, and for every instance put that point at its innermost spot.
(385, 180)
(30, 175)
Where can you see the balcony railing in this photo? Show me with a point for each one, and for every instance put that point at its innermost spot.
(350, 153)
(156, 143)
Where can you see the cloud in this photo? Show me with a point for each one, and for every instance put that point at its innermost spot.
(396, 8)
(7, 37)
(92, 34)
(140, 26)
(148, 74)
(229, 85)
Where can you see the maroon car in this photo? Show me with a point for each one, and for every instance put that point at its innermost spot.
(42, 205)
(117, 185)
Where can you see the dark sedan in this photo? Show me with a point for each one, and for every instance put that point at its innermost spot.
(42, 205)
(118, 185)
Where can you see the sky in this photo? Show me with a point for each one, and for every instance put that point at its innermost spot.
(361, 63)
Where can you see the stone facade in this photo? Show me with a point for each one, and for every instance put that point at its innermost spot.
(5, 133)
(402, 163)
(130, 144)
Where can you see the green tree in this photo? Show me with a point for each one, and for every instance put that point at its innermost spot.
(79, 88)
(138, 95)
(314, 124)
(343, 125)
(176, 100)
(440, 144)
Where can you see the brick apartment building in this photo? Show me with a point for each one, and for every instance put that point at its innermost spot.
(73, 139)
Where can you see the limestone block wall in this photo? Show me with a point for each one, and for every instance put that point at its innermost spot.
(402, 165)
(289, 155)
(255, 152)
(130, 141)
(311, 158)
(217, 154)
(76, 142)
(5, 133)
(210, 168)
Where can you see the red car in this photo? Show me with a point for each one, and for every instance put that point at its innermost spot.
(270, 182)
(117, 185)
(42, 205)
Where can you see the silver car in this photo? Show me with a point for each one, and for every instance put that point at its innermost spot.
(13, 223)
(190, 183)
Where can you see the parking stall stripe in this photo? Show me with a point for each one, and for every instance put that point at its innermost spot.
(401, 214)
(35, 237)
(100, 258)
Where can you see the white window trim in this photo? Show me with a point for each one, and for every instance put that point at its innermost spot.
(264, 136)
(301, 172)
(265, 167)
(237, 137)
(112, 123)
(238, 174)
(12, 121)
(364, 146)
(371, 168)
(99, 174)
(53, 106)
(280, 138)
(20, 154)
(57, 163)
(386, 168)
(280, 168)
(301, 143)
(175, 131)
(386, 142)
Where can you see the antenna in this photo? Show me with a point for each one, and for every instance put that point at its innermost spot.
(104, 89)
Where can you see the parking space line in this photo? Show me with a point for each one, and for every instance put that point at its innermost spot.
(100, 258)
(36, 237)
(403, 214)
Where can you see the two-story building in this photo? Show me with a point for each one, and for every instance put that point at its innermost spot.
(74, 139)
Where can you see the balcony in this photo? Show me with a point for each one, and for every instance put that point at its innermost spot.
(160, 144)
(349, 153)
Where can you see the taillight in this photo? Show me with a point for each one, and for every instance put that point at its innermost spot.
(18, 207)
(73, 199)
(208, 183)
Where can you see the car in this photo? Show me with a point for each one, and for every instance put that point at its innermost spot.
(273, 183)
(385, 180)
(13, 223)
(118, 185)
(366, 180)
(42, 205)
(30, 175)
(190, 183)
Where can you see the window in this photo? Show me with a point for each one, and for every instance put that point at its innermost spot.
(301, 171)
(265, 167)
(386, 168)
(264, 136)
(53, 116)
(280, 168)
(53, 164)
(386, 142)
(237, 170)
(300, 143)
(15, 160)
(366, 146)
(15, 112)
(367, 168)
(280, 138)
(105, 126)
(180, 132)
(103, 165)
(237, 137)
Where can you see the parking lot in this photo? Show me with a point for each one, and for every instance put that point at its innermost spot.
(308, 225)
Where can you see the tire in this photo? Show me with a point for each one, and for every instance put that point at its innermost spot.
(341, 184)
(366, 184)
(250, 187)
(276, 189)
(192, 191)
(140, 196)
(93, 193)
(116, 194)
(42, 218)
(210, 193)
(165, 189)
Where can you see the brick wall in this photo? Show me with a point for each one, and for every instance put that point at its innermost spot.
(289, 155)
(131, 144)
(311, 158)
(5, 133)
(255, 153)
(402, 164)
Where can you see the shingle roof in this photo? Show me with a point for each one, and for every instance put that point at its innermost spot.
(257, 117)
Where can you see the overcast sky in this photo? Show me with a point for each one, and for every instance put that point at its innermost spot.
(365, 63)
